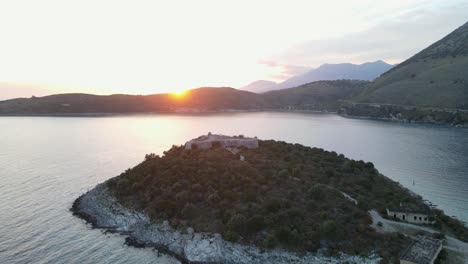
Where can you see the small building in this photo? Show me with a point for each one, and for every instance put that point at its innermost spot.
(221, 141)
(423, 250)
(415, 216)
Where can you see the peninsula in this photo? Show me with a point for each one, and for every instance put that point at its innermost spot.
(221, 199)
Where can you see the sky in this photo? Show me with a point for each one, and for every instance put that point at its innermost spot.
(145, 47)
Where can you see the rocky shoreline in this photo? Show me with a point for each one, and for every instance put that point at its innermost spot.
(99, 208)
(406, 121)
(406, 114)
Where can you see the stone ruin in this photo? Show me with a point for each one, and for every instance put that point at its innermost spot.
(423, 250)
(222, 141)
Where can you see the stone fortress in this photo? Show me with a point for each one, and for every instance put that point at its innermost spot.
(213, 140)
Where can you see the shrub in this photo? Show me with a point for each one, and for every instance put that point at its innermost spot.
(216, 144)
(272, 205)
(369, 165)
(283, 174)
(167, 207)
(270, 241)
(231, 236)
(316, 192)
(255, 223)
(182, 197)
(283, 234)
(188, 210)
(214, 198)
(330, 172)
(151, 156)
(212, 191)
(237, 223)
(329, 228)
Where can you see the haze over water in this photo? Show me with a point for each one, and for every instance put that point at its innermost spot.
(47, 162)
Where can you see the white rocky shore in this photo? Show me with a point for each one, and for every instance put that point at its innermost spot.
(103, 211)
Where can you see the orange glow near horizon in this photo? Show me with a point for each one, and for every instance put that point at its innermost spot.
(191, 50)
(179, 94)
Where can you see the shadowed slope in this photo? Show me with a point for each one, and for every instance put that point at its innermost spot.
(436, 76)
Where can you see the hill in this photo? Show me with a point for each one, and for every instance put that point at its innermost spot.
(201, 99)
(278, 196)
(367, 71)
(255, 194)
(220, 199)
(320, 95)
(435, 77)
(259, 86)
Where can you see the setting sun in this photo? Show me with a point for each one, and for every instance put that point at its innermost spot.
(179, 94)
(260, 131)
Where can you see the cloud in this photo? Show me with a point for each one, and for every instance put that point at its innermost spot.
(161, 47)
(284, 71)
(392, 39)
(268, 63)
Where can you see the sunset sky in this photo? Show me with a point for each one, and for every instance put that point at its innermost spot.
(143, 47)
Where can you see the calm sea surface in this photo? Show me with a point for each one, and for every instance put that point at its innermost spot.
(47, 162)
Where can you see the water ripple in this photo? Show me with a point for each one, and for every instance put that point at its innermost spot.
(42, 172)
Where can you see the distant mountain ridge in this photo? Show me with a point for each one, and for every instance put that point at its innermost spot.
(366, 71)
(200, 99)
(259, 86)
(317, 95)
(430, 87)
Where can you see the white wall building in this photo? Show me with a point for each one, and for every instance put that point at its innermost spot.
(410, 215)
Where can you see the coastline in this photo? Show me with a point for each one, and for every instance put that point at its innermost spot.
(403, 121)
(99, 208)
(405, 114)
(195, 112)
(234, 111)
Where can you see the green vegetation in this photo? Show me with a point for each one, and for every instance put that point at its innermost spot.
(283, 195)
(407, 114)
(204, 99)
(435, 77)
(322, 95)
(451, 225)
(434, 82)
(442, 258)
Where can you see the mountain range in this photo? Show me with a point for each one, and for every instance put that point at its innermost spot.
(431, 86)
(203, 99)
(367, 71)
